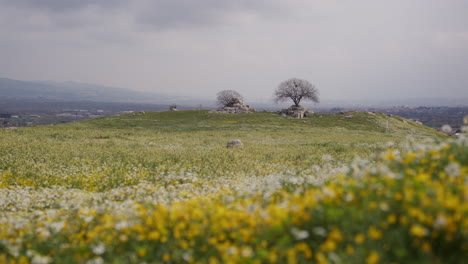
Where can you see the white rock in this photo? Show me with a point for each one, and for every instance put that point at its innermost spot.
(234, 143)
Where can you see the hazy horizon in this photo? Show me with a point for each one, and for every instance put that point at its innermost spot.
(352, 51)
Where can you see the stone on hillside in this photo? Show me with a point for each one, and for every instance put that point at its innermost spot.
(308, 113)
(234, 143)
(297, 112)
(238, 107)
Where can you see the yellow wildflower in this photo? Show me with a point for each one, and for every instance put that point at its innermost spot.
(391, 219)
(141, 252)
(321, 259)
(359, 238)
(335, 235)
(373, 258)
(328, 245)
(418, 230)
(350, 250)
(374, 233)
(154, 235)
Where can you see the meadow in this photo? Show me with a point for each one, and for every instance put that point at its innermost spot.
(161, 187)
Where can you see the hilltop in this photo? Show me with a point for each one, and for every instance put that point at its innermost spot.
(142, 144)
(348, 123)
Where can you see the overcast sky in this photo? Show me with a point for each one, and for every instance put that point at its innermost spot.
(370, 49)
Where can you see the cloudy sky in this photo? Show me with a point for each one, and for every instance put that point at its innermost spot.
(351, 50)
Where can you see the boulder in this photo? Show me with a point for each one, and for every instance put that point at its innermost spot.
(296, 112)
(234, 143)
(308, 113)
(236, 108)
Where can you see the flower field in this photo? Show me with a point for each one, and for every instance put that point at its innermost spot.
(85, 194)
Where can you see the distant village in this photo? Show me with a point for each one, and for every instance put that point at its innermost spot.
(64, 116)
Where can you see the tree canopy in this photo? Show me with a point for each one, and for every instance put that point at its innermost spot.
(228, 98)
(296, 90)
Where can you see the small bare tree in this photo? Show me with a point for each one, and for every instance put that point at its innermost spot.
(296, 90)
(228, 98)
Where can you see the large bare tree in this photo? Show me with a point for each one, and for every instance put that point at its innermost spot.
(228, 98)
(296, 90)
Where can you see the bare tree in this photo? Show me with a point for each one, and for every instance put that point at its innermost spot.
(228, 98)
(296, 90)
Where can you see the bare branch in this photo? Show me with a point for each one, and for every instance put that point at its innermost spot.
(228, 98)
(296, 90)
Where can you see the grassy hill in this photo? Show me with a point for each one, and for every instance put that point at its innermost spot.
(194, 141)
(161, 187)
(188, 121)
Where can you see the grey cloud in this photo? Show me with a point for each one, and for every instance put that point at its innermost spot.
(167, 14)
(153, 14)
(61, 5)
(349, 49)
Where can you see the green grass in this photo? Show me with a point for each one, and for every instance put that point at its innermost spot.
(123, 150)
(193, 120)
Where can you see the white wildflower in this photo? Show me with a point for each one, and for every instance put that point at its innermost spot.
(232, 250)
(453, 169)
(320, 231)
(299, 234)
(187, 256)
(446, 129)
(440, 222)
(57, 226)
(97, 260)
(384, 207)
(327, 157)
(121, 225)
(246, 252)
(334, 257)
(13, 250)
(38, 259)
(99, 249)
(88, 218)
(329, 192)
(44, 233)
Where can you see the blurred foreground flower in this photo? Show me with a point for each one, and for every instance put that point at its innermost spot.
(446, 129)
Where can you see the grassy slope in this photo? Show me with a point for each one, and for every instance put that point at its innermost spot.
(402, 209)
(129, 148)
(189, 121)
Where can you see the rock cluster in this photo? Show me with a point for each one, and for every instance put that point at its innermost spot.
(296, 112)
(237, 107)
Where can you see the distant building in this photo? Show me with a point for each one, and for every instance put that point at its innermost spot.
(65, 115)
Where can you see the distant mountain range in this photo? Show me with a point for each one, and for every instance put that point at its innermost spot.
(74, 91)
(44, 91)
